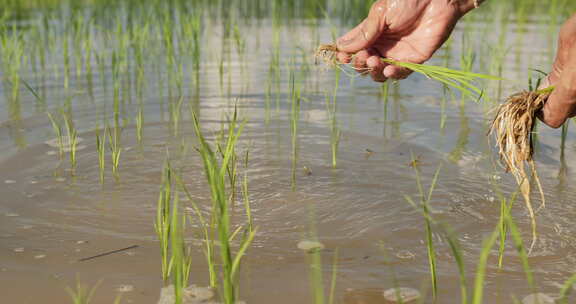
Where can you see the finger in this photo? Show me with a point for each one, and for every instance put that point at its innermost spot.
(550, 79)
(545, 83)
(396, 72)
(555, 111)
(360, 59)
(366, 32)
(562, 102)
(376, 66)
(344, 57)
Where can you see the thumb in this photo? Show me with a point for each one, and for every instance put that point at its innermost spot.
(366, 33)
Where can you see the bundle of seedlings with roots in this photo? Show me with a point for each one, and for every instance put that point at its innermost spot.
(513, 129)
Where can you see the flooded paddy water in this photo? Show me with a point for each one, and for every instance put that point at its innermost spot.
(137, 69)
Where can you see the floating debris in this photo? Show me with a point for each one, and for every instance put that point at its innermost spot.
(401, 295)
(60, 179)
(191, 295)
(405, 255)
(538, 298)
(9, 181)
(12, 215)
(106, 253)
(310, 245)
(55, 143)
(39, 256)
(125, 288)
(19, 249)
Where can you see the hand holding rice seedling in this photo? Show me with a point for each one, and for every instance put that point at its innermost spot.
(459, 80)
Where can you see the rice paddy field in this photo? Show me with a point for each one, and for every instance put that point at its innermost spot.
(150, 143)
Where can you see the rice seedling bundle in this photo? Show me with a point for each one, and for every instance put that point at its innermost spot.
(513, 129)
(460, 80)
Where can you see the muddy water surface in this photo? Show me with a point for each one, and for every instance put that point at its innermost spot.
(50, 219)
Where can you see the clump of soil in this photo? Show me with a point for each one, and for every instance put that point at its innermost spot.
(513, 129)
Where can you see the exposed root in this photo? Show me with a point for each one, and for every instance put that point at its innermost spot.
(513, 128)
(327, 53)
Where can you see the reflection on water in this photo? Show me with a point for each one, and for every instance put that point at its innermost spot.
(138, 70)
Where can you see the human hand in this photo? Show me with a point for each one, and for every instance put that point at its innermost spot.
(402, 30)
(561, 104)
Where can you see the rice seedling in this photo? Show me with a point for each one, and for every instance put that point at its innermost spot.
(463, 136)
(114, 144)
(66, 55)
(239, 41)
(87, 47)
(245, 193)
(169, 225)
(295, 98)
(480, 276)
(193, 29)
(334, 278)
(141, 37)
(563, 137)
(566, 290)
(81, 294)
(13, 58)
(180, 258)
(221, 62)
(314, 260)
(140, 124)
(162, 225)
(72, 142)
(316, 276)
(208, 232)
(461, 80)
(522, 252)
(58, 131)
(513, 128)
(332, 109)
(101, 150)
(216, 171)
(425, 205)
(446, 92)
(275, 70)
(175, 112)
